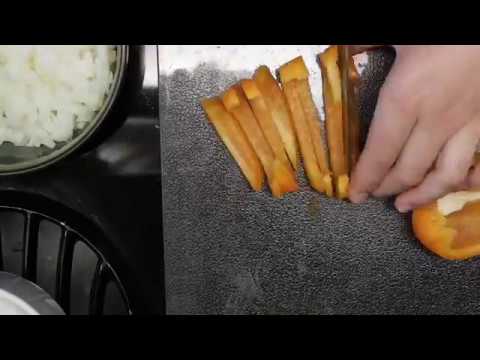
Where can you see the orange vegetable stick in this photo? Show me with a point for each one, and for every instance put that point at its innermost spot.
(328, 183)
(293, 70)
(343, 184)
(354, 74)
(338, 130)
(236, 103)
(332, 92)
(283, 179)
(279, 178)
(264, 118)
(236, 141)
(297, 70)
(313, 119)
(312, 169)
(276, 101)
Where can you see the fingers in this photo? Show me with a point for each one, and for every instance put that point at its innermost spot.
(450, 173)
(421, 150)
(392, 123)
(417, 157)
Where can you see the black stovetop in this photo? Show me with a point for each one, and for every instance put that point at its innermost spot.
(115, 189)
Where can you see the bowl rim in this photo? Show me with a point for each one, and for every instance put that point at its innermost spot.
(28, 296)
(122, 58)
(19, 303)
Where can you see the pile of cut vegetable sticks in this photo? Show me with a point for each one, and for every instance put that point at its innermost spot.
(267, 125)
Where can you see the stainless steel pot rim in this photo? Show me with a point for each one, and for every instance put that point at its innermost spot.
(87, 132)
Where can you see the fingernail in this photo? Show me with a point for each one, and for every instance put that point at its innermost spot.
(403, 208)
(359, 198)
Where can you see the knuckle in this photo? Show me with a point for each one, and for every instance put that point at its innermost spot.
(452, 179)
(408, 178)
(400, 94)
(381, 164)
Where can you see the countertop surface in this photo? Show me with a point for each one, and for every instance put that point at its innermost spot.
(229, 250)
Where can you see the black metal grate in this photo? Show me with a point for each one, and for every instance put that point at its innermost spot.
(30, 241)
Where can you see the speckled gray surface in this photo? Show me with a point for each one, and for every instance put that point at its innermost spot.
(229, 250)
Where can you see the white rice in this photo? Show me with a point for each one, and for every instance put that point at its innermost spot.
(49, 91)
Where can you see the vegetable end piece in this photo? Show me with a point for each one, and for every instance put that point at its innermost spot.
(343, 184)
(294, 70)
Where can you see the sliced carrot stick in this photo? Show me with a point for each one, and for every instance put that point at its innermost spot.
(333, 109)
(283, 179)
(343, 183)
(328, 185)
(276, 101)
(297, 70)
(331, 73)
(236, 141)
(314, 122)
(236, 103)
(302, 130)
(332, 92)
(231, 98)
(279, 178)
(264, 118)
(354, 74)
(294, 70)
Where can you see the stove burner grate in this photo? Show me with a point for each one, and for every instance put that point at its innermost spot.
(56, 254)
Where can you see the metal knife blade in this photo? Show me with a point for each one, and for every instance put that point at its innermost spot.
(350, 111)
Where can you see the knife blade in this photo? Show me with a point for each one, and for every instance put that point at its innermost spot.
(350, 111)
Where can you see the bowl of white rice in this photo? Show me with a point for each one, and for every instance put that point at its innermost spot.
(53, 98)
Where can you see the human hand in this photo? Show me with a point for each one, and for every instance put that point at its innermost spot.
(426, 127)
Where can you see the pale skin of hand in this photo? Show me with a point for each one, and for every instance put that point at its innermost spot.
(426, 127)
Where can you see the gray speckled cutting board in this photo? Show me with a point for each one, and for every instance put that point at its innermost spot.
(229, 250)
